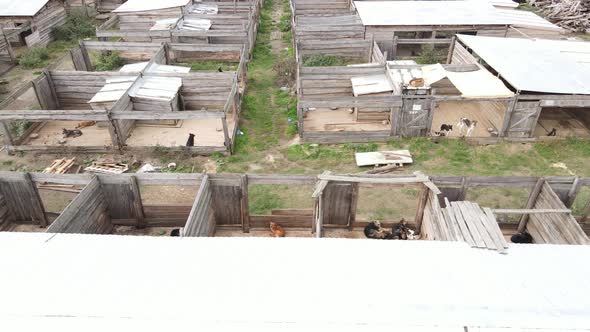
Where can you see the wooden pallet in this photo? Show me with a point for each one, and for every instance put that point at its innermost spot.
(60, 166)
(107, 168)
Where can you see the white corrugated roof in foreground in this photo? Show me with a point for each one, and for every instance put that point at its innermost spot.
(145, 5)
(290, 283)
(537, 65)
(444, 13)
(21, 8)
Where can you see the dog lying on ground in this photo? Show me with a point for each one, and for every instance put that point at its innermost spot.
(85, 124)
(277, 230)
(374, 231)
(72, 133)
(523, 237)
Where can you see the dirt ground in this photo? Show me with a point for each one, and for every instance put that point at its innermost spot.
(568, 122)
(489, 115)
(148, 231)
(338, 120)
(51, 132)
(208, 132)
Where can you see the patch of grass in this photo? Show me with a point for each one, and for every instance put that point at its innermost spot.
(321, 60)
(285, 22)
(430, 54)
(18, 128)
(77, 26)
(212, 65)
(36, 57)
(262, 199)
(108, 61)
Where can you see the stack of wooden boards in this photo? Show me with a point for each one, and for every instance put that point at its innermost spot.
(468, 222)
(553, 227)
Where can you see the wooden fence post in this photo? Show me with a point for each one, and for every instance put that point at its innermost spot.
(394, 48)
(451, 50)
(421, 206)
(508, 116)
(531, 203)
(7, 138)
(245, 204)
(573, 192)
(37, 209)
(137, 204)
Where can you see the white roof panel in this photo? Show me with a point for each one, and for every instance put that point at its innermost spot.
(366, 85)
(427, 13)
(444, 13)
(270, 283)
(21, 8)
(536, 65)
(472, 84)
(145, 5)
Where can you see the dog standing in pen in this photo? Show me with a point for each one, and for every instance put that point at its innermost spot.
(466, 126)
(191, 140)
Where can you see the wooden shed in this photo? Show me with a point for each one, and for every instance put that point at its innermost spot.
(550, 78)
(417, 20)
(31, 22)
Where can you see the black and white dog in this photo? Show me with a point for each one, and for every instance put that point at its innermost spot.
(175, 232)
(445, 130)
(553, 132)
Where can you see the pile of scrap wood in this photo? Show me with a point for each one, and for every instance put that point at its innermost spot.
(107, 167)
(569, 14)
(60, 166)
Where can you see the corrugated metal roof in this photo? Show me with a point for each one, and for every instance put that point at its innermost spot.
(339, 284)
(21, 8)
(445, 13)
(526, 19)
(145, 5)
(537, 65)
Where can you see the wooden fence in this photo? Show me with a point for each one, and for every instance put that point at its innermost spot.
(65, 97)
(222, 202)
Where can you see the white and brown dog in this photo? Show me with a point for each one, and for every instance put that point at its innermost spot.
(466, 126)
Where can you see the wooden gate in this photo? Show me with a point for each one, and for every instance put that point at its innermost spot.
(524, 119)
(45, 92)
(80, 59)
(339, 201)
(416, 117)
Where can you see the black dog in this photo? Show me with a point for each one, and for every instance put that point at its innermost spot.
(523, 237)
(374, 231)
(191, 140)
(553, 132)
(175, 232)
(72, 133)
(220, 70)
